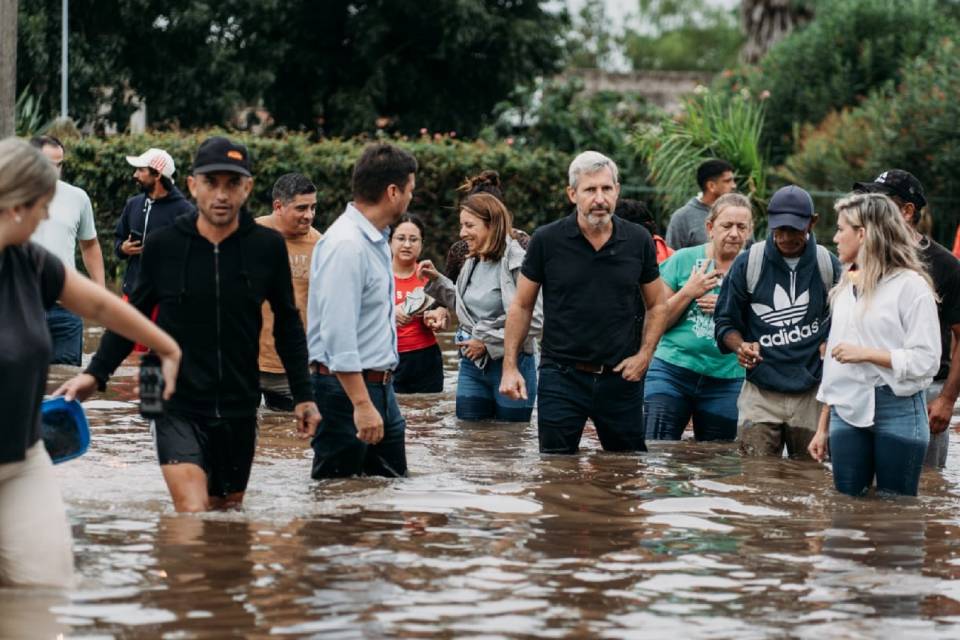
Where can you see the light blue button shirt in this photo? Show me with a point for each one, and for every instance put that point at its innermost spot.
(351, 322)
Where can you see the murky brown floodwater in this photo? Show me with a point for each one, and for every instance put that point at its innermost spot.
(488, 539)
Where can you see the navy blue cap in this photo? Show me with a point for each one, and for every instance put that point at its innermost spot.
(791, 207)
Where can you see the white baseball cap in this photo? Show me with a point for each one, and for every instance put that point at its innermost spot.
(156, 159)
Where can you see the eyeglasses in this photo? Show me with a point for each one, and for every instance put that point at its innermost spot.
(405, 240)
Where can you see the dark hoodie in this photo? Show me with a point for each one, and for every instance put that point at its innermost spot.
(787, 314)
(209, 299)
(134, 218)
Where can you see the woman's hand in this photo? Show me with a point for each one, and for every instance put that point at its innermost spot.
(472, 348)
(169, 367)
(426, 269)
(846, 353)
(819, 446)
(402, 318)
(708, 303)
(701, 282)
(436, 319)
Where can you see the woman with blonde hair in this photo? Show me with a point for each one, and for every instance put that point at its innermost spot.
(481, 296)
(689, 378)
(883, 351)
(34, 534)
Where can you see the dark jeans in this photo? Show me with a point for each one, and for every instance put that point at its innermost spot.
(892, 449)
(66, 332)
(478, 391)
(419, 371)
(567, 397)
(672, 395)
(338, 452)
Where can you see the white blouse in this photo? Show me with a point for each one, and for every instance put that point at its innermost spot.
(901, 318)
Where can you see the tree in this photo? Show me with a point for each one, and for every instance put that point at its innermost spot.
(766, 22)
(592, 42)
(683, 35)
(442, 66)
(8, 66)
(341, 68)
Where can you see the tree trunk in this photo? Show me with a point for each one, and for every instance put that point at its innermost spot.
(8, 67)
(766, 22)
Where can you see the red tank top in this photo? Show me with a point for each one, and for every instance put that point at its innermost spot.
(415, 334)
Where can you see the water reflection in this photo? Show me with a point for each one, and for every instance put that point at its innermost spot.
(489, 539)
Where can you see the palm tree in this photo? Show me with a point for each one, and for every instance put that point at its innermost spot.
(766, 22)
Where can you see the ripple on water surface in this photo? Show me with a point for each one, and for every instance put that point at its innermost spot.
(489, 539)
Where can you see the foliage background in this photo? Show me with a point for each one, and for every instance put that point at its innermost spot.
(910, 125)
(533, 179)
(851, 47)
(338, 68)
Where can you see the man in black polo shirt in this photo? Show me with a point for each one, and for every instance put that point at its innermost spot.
(599, 277)
(944, 269)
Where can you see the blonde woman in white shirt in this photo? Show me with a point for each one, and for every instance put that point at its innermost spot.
(882, 353)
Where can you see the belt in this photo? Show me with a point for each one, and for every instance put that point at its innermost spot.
(369, 375)
(595, 368)
(592, 367)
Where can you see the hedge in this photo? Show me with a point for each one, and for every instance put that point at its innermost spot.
(533, 179)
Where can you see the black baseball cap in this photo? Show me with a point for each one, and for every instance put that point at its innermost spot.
(896, 182)
(791, 207)
(221, 154)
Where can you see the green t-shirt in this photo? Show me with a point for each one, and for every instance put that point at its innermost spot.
(690, 343)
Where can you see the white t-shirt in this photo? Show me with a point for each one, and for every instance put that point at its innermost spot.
(901, 318)
(71, 218)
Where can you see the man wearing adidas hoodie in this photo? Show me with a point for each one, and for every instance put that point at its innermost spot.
(773, 313)
(209, 273)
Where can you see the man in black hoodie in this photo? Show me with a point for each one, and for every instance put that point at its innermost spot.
(209, 275)
(156, 207)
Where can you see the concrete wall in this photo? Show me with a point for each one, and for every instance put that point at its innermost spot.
(662, 88)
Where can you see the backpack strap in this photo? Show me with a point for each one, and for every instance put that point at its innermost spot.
(755, 264)
(825, 265)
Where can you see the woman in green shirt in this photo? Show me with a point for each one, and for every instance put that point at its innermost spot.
(689, 377)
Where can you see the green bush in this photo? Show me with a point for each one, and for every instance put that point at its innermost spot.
(850, 48)
(533, 179)
(712, 125)
(559, 114)
(910, 126)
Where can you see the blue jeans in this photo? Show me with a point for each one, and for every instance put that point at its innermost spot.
(337, 452)
(569, 396)
(892, 449)
(66, 333)
(478, 391)
(673, 394)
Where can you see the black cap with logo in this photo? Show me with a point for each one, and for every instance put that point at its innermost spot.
(896, 182)
(221, 154)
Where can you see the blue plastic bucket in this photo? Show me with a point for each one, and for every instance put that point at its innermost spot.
(64, 429)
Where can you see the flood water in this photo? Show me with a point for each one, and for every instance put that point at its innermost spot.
(488, 539)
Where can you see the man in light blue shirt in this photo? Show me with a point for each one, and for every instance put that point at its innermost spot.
(351, 325)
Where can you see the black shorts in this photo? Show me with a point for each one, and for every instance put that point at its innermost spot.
(419, 371)
(222, 447)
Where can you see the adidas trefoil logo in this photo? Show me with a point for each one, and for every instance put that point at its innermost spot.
(786, 312)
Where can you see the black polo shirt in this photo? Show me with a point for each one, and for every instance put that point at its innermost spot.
(592, 306)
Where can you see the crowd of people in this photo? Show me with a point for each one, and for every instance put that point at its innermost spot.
(774, 343)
